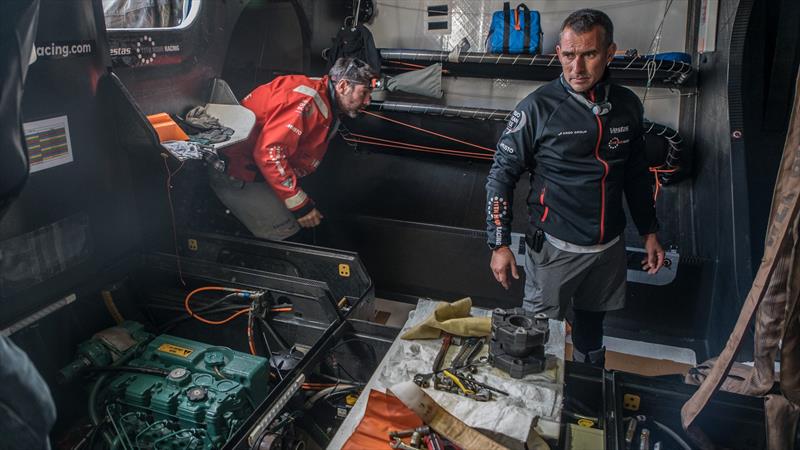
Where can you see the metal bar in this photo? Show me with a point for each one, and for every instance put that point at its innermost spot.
(677, 72)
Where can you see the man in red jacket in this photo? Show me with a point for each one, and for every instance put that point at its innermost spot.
(296, 117)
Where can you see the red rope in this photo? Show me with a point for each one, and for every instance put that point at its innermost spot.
(656, 171)
(480, 147)
(420, 148)
(410, 65)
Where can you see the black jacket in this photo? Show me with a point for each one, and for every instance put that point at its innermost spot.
(580, 164)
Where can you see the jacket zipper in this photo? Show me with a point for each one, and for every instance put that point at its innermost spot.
(541, 202)
(605, 174)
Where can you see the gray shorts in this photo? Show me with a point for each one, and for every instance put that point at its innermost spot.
(255, 205)
(589, 281)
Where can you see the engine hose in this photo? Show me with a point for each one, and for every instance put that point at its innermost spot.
(93, 416)
(143, 370)
(93, 394)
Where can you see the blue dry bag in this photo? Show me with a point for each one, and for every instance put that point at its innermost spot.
(520, 32)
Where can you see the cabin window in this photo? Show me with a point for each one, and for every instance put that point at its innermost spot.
(149, 13)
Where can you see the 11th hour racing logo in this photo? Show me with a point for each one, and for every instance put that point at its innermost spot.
(64, 49)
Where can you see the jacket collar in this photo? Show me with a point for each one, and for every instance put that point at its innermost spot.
(332, 96)
(600, 89)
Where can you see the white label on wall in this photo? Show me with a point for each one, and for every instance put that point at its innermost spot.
(48, 143)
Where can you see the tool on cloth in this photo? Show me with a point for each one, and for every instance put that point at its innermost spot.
(441, 421)
(518, 341)
(416, 434)
(469, 350)
(437, 363)
(423, 379)
(424, 430)
(458, 383)
(383, 413)
(452, 318)
(400, 445)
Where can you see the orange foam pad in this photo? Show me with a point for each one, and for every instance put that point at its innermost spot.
(384, 413)
(166, 128)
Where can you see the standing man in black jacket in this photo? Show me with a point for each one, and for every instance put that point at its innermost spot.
(581, 139)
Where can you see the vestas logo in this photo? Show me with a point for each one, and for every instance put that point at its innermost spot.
(617, 130)
(615, 142)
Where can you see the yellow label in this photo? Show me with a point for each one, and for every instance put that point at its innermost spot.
(175, 350)
(586, 423)
(631, 402)
(344, 270)
(193, 244)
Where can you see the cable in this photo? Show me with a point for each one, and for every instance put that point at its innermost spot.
(672, 434)
(379, 116)
(250, 341)
(274, 333)
(329, 391)
(172, 214)
(192, 314)
(655, 45)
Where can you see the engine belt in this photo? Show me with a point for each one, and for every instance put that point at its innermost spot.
(783, 213)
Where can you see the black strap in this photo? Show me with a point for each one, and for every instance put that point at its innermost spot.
(527, 14)
(506, 25)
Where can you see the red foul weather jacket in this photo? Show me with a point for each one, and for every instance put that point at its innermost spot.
(294, 123)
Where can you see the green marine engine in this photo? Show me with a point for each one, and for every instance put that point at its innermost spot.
(173, 393)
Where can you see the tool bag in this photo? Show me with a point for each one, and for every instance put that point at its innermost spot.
(520, 32)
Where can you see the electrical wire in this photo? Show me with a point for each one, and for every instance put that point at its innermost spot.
(329, 391)
(250, 340)
(655, 46)
(194, 315)
(672, 434)
(170, 174)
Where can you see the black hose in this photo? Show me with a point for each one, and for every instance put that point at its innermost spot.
(144, 370)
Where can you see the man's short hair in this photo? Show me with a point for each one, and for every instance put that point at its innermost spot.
(353, 70)
(583, 20)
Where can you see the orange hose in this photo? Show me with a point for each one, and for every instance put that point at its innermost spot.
(207, 321)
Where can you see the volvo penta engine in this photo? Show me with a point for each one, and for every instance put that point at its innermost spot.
(167, 392)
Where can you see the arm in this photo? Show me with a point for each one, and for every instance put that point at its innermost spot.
(509, 164)
(639, 194)
(276, 143)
